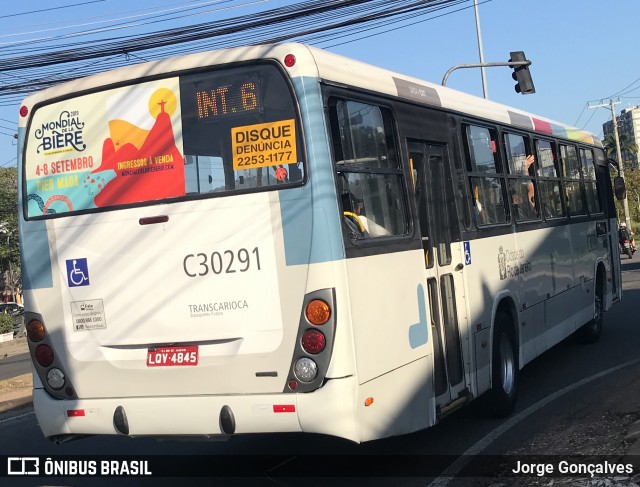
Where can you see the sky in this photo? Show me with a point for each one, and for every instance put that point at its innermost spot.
(583, 52)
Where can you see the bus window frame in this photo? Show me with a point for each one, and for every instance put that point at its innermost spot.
(300, 137)
(379, 244)
(557, 178)
(593, 180)
(600, 163)
(505, 132)
(499, 174)
(566, 180)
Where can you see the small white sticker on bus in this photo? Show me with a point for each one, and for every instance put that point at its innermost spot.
(88, 315)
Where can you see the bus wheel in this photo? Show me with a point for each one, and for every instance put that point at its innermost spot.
(505, 369)
(591, 332)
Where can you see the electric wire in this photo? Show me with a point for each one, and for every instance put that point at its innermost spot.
(93, 19)
(313, 21)
(50, 9)
(34, 64)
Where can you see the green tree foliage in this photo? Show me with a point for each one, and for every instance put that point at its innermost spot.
(632, 182)
(6, 323)
(631, 176)
(9, 239)
(627, 145)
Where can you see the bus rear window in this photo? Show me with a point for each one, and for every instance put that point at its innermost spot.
(215, 132)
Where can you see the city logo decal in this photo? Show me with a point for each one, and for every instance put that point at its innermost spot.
(512, 263)
(77, 272)
(502, 263)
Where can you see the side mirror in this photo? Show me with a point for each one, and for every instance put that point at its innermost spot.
(619, 188)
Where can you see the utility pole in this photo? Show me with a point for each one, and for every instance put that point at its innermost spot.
(625, 202)
(614, 120)
(479, 34)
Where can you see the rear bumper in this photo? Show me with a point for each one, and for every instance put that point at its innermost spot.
(200, 415)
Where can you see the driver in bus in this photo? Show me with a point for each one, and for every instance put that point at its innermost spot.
(354, 213)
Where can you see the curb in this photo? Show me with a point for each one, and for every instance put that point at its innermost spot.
(17, 403)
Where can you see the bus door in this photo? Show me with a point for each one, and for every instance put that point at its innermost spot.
(436, 212)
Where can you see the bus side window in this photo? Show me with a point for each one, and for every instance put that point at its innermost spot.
(485, 177)
(371, 191)
(522, 183)
(573, 185)
(589, 177)
(549, 180)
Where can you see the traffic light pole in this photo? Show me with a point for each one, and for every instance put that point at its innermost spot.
(479, 35)
(483, 65)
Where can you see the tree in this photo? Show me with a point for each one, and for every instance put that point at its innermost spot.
(631, 174)
(627, 145)
(632, 182)
(9, 237)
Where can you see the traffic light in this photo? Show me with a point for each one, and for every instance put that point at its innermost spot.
(521, 74)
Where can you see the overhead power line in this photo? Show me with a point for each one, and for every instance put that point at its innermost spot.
(30, 12)
(36, 65)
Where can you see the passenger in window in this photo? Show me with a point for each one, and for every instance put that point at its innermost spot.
(531, 190)
(524, 207)
(515, 204)
(477, 206)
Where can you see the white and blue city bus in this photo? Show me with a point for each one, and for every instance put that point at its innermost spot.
(279, 239)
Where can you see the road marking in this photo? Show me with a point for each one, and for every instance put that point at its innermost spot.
(24, 415)
(452, 470)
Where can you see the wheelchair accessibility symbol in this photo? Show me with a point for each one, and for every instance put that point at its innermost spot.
(77, 272)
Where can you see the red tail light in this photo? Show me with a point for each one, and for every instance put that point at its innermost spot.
(44, 355)
(313, 341)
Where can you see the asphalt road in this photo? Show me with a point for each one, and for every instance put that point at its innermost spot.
(574, 399)
(14, 366)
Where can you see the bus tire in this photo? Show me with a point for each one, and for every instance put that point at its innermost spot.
(504, 368)
(591, 332)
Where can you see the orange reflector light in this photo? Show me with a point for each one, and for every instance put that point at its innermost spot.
(368, 401)
(284, 408)
(35, 330)
(318, 312)
(75, 413)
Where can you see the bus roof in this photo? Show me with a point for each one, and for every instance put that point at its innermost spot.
(341, 69)
(330, 67)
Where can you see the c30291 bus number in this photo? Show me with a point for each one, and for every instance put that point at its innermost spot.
(221, 262)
